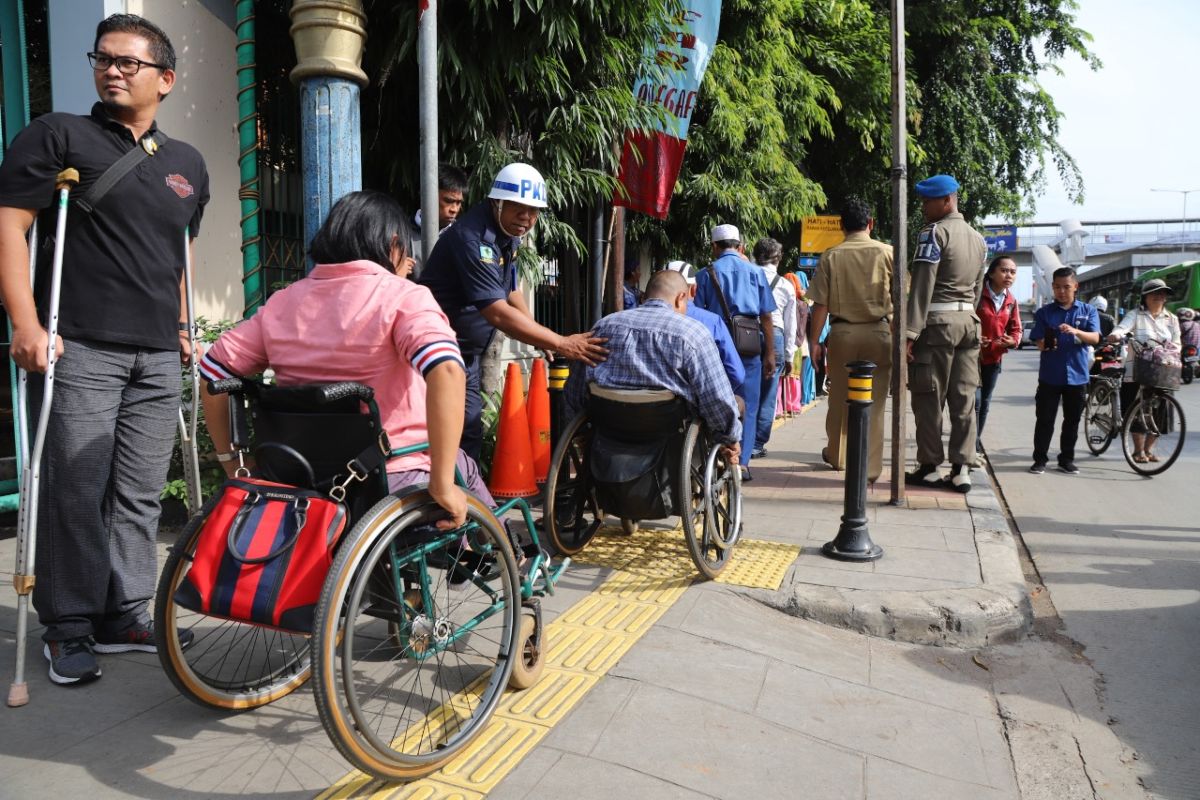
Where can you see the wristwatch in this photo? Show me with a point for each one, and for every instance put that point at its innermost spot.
(225, 458)
(183, 326)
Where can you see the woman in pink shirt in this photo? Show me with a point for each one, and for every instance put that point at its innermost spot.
(352, 318)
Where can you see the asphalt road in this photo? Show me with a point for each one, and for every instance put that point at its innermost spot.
(1120, 555)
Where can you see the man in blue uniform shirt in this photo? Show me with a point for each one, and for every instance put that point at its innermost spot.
(730, 359)
(733, 287)
(472, 273)
(1064, 331)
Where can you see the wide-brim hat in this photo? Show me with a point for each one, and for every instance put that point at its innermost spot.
(1156, 285)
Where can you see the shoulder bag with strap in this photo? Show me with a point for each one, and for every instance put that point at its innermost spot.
(110, 178)
(746, 331)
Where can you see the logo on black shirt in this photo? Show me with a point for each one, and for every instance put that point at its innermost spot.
(179, 185)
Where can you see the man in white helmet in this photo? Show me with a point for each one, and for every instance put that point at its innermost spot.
(472, 273)
(1107, 321)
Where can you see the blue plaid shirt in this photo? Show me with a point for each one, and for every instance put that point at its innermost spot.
(653, 347)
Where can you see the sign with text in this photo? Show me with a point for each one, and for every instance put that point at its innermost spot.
(650, 160)
(818, 234)
(1000, 238)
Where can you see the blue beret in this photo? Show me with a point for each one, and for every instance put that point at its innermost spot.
(937, 186)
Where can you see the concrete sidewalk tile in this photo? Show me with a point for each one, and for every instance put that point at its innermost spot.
(931, 517)
(725, 754)
(744, 624)
(707, 664)
(578, 778)
(887, 780)
(585, 725)
(860, 718)
(959, 540)
(866, 579)
(938, 676)
(525, 778)
(913, 563)
(914, 536)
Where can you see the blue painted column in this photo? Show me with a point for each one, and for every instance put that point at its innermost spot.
(329, 36)
(330, 145)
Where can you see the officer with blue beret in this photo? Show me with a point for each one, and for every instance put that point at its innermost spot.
(472, 273)
(943, 335)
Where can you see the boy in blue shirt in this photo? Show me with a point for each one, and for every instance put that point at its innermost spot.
(1063, 331)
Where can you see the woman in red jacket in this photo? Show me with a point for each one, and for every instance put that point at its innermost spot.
(1000, 330)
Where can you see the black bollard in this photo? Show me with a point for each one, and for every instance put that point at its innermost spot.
(558, 374)
(853, 542)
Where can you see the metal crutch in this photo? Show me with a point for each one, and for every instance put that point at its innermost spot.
(189, 425)
(31, 474)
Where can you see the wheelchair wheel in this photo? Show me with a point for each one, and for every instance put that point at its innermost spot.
(572, 515)
(229, 665)
(416, 636)
(711, 511)
(527, 668)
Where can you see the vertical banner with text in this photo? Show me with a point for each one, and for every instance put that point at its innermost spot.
(650, 160)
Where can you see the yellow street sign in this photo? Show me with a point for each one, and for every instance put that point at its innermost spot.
(818, 234)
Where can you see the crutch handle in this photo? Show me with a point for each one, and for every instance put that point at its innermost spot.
(66, 179)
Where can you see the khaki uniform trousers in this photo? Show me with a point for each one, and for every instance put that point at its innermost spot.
(945, 373)
(858, 341)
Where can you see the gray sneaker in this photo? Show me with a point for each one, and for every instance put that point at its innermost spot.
(72, 661)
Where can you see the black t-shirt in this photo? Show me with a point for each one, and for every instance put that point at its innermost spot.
(122, 265)
(471, 266)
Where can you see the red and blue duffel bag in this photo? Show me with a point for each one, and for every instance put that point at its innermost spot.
(263, 554)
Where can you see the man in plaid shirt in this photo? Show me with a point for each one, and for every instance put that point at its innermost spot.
(655, 346)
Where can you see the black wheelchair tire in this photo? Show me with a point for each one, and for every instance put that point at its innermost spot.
(571, 452)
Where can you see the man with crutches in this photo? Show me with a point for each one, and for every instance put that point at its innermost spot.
(122, 328)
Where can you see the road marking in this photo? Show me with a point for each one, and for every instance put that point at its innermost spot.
(651, 570)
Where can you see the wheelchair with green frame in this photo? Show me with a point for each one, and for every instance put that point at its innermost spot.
(418, 630)
(642, 454)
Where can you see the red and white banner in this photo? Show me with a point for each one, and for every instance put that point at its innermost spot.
(650, 160)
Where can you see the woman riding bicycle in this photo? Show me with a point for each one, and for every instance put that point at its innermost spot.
(352, 318)
(1152, 323)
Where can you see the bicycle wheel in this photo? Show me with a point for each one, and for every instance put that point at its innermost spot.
(416, 636)
(1157, 419)
(1099, 423)
(572, 515)
(229, 665)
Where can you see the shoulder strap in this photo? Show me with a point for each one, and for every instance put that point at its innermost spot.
(720, 294)
(118, 170)
(774, 282)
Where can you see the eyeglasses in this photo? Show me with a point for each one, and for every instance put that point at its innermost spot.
(128, 65)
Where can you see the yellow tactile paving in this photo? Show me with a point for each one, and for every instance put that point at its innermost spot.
(651, 570)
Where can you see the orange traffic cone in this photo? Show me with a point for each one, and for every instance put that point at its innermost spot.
(538, 406)
(512, 463)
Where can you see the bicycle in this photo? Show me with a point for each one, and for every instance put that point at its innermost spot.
(1102, 414)
(1155, 420)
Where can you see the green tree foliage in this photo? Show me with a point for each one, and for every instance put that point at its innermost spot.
(981, 112)
(534, 80)
(794, 113)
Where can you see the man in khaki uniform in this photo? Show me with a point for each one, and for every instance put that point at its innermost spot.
(853, 286)
(943, 334)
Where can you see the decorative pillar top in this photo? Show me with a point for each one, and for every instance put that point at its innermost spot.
(329, 36)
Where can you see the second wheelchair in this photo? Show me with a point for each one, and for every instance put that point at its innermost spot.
(642, 455)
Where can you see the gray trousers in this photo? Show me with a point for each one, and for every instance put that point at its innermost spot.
(944, 373)
(108, 448)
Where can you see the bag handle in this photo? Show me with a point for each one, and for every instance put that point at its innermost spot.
(239, 521)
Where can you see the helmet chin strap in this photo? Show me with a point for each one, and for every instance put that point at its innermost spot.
(497, 210)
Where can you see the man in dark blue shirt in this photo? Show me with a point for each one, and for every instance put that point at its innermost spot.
(1063, 331)
(472, 273)
(730, 359)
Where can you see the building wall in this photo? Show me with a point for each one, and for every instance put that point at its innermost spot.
(201, 110)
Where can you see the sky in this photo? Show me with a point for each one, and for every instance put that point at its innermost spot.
(1134, 125)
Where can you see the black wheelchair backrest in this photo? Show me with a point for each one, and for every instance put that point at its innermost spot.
(636, 415)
